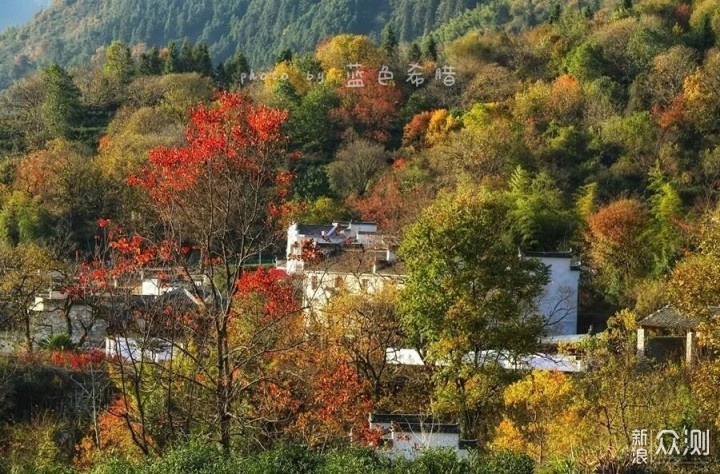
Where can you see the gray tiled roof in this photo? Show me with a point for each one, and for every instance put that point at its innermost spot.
(311, 229)
(668, 317)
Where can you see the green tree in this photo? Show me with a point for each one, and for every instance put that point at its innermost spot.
(389, 42)
(61, 108)
(538, 215)
(236, 67)
(24, 271)
(187, 60)
(202, 61)
(172, 62)
(414, 53)
(23, 220)
(585, 62)
(666, 211)
(429, 48)
(311, 124)
(119, 65)
(150, 63)
(468, 297)
(285, 56)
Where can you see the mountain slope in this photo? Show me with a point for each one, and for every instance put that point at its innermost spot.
(70, 31)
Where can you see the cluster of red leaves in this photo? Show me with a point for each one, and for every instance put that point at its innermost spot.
(415, 131)
(233, 136)
(389, 204)
(340, 405)
(370, 109)
(273, 285)
(127, 255)
(671, 115)
(77, 360)
(70, 360)
(115, 438)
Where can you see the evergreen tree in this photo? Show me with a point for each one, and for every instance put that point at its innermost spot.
(221, 77)
(172, 63)
(414, 54)
(187, 60)
(389, 42)
(119, 65)
(236, 67)
(704, 34)
(156, 63)
(429, 49)
(285, 56)
(201, 58)
(61, 107)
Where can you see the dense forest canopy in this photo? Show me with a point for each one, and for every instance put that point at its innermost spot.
(70, 32)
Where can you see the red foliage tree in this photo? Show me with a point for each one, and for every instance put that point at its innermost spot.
(224, 195)
(391, 204)
(371, 109)
(338, 406)
(415, 131)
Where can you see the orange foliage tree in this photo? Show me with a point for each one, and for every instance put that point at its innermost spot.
(369, 110)
(617, 247)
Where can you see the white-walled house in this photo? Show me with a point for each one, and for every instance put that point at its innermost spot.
(407, 436)
(355, 257)
(358, 258)
(559, 302)
(326, 238)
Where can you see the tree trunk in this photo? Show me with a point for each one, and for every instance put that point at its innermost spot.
(28, 337)
(224, 386)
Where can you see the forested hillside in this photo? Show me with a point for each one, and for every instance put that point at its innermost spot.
(509, 127)
(71, 31)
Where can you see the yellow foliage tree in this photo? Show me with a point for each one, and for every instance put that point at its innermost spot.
(701, 91)
(541, 417)
(565, 98)
(343, 50)
(439, 127)
(286, 71)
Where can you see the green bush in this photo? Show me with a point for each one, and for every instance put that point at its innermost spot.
(433, 461)
(353, 461)
(283, 459)
(58, 342)
(507, 463)
(195, 458)
(114, 466)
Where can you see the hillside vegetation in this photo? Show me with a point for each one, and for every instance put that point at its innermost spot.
(71, 31)
(543, 127)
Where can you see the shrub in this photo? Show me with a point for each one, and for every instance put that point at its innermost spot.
(60, 342)
(114, 466)
(433, 461)
(195, 458)
(283, 459)
(353, 461)
(508, 463)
